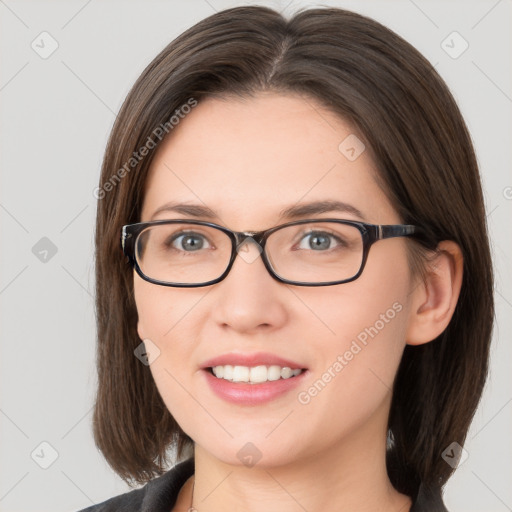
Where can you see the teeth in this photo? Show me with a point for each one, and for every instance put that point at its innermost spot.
(241, 374)
(255, 374)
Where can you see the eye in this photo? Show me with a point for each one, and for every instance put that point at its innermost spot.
(320, 240)
(188, 242)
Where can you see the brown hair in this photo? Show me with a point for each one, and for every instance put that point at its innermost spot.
(410, 122)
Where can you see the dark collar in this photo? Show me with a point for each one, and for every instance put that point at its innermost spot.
(162, 492)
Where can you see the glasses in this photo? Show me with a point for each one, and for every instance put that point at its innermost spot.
(193, 253)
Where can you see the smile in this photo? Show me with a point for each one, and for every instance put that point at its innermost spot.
(255, 374)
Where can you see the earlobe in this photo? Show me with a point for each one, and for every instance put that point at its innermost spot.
(434, 299)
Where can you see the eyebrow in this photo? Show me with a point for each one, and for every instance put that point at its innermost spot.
(290, 213)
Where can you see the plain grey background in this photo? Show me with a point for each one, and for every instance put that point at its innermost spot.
(57, 111)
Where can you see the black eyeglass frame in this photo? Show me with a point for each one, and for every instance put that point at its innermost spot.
(370, 233)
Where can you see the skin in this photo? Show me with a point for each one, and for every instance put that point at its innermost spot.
(247, 160)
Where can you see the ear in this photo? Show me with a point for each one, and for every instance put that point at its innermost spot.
(434, 298)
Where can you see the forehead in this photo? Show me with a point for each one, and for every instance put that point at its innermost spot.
(247, 159)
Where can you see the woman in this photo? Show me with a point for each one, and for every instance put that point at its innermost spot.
(304, 306)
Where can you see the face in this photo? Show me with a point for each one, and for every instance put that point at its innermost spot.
(248, 160)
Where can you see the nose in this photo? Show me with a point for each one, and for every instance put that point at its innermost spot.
(249, 299)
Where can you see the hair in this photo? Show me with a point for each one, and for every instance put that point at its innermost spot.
(409, 121)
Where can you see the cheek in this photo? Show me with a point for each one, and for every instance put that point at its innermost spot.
(160, 309)
(361, 329)
(165, 316)
(370, 312)
(358, 353)
(355, 367)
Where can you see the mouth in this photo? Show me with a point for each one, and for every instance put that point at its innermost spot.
(254, 374)
(252, 378)
(252, 386)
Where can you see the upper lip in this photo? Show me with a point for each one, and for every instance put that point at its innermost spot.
(251, 359)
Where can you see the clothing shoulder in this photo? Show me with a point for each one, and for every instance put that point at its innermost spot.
(159, 494)
(128, 502)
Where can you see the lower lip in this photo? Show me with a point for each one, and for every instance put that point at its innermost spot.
(251, 394)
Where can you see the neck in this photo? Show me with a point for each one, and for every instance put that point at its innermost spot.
(348, 476)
